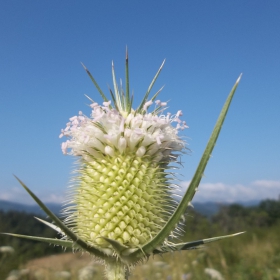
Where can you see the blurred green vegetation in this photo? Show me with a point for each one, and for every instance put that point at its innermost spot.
(23, 223)
(253, 255)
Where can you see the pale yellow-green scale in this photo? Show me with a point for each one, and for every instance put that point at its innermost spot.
(122, 198)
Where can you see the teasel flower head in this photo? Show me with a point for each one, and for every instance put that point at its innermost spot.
(123, 186)
(121, 206)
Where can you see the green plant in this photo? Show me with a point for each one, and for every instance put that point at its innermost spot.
(121, 207)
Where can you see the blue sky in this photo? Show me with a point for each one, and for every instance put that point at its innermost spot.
(207, 44)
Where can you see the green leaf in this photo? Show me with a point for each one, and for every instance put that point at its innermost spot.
(95, 83)
(64, 228)
(118, 247)
(192, 244)
(50, 225)
(149, 88)
(114, 100)
(157, 93)
(187, 198)
(116, 89)
(127, 98)
(63, 243)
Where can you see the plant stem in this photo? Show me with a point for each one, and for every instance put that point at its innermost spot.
(116, 270)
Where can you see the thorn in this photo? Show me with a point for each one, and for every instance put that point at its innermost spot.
(162, 64)
(190, 204)
(84, 66)
(235, 234)
(89, 98)
(237, 81)
(85, 69)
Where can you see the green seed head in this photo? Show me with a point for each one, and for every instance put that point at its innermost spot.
(124, 198)
(123, 187)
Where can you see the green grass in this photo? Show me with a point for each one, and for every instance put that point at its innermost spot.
(253, 256)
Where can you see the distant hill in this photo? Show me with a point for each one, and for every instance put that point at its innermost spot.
(207, 209)
(34, 209)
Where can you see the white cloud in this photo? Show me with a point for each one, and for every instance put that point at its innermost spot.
(221, 192)
(267, 183)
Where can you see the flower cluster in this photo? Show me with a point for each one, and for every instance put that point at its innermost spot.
(109, 132)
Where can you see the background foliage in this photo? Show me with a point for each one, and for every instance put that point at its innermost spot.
(253, 255)
(23, 223)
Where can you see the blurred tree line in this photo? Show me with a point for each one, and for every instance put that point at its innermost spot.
(230, 219)
(239, 218)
